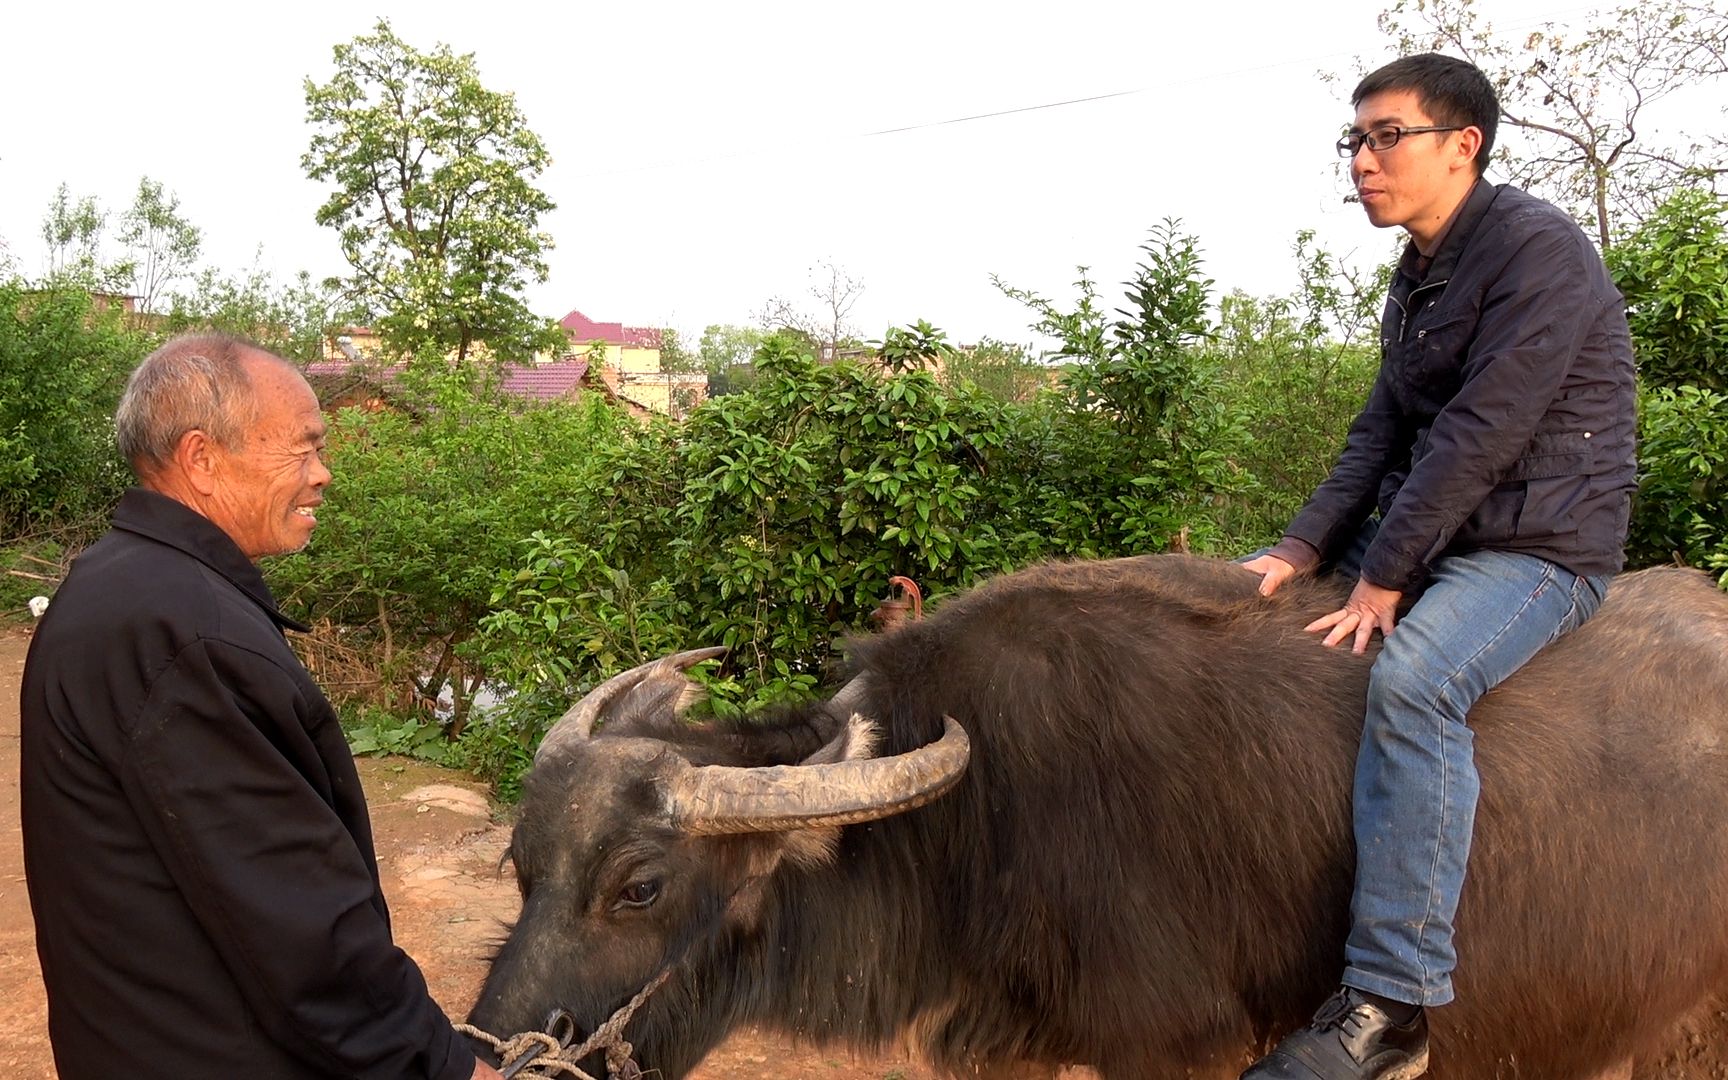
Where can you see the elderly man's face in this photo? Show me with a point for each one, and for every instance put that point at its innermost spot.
(269, 487)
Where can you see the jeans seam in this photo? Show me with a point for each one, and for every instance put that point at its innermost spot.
(1446, 777)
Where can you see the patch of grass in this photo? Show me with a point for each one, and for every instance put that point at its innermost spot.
(28, 567)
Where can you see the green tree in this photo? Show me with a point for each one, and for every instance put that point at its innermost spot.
(1584, 96)
(725, 346)
(1140, 366)
(434, 197)
(726, 352)
(1294, 371)
(1681, 513)
(674, 356)
(1673, 270)
(1142, 438)
(72, 230)
(426, 510)
(164, 244)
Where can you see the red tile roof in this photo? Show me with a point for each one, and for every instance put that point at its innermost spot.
(583, 329)
(544, 382)
(538, 382)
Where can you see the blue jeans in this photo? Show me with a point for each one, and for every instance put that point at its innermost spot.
(1481, 616)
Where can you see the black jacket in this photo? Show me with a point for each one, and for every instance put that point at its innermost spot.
(196, 843)
(1504, 415)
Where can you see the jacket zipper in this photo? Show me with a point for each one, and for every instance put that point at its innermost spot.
(1404, 312)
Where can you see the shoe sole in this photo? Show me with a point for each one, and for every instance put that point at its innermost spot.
(1410, 1070)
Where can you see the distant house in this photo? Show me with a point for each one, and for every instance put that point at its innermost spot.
(633, 353)
(626, 348)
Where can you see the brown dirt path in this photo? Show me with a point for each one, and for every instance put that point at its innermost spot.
(440, 851)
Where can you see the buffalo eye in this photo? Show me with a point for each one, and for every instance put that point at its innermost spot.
(639, 894)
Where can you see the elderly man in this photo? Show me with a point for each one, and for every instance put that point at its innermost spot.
(197, 846)
(1497, 444)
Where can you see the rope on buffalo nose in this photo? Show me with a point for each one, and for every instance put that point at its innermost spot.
(542, 1054)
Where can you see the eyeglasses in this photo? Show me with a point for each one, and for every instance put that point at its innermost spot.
(1381, 138)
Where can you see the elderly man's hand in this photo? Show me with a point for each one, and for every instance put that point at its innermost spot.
(1273, 572)
(483, 1071)
(1369, 607)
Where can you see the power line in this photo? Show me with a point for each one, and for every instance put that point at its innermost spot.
(1004, 112)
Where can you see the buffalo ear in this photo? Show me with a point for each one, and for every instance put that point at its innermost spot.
(809, 848)
(857, 740)
(651, 708)
(814, 847)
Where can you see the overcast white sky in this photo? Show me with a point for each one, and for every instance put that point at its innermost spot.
(707, 155)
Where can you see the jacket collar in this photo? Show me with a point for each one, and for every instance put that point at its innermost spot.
(169, 521)
(1457, 237)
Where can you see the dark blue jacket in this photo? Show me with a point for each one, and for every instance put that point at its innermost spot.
(1504, 415)
(196, 843)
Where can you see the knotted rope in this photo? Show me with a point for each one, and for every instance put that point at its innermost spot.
(542, 1054)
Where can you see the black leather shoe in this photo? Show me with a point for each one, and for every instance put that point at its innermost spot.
(1348, 1039)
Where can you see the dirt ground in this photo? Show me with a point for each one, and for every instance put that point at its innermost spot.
(440, 850)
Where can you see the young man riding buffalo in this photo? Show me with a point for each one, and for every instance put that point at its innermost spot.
(1497, 448)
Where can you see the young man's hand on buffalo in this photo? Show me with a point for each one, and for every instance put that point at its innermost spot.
(1369, 607)
(1273, 572)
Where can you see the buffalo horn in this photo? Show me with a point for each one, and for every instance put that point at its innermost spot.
(711, 800)
(578, 722)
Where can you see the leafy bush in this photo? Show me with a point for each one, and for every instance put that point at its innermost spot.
(769, 524)
(426, 508)
(371, 730)
(1673, 270)
(1682, 507)
(997, 369)
(64, 358)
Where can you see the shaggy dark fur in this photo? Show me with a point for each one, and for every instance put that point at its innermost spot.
(1147, 866)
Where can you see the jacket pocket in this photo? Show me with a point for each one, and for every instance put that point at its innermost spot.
(1432, 358)
(1553, 455)
(1551, 506)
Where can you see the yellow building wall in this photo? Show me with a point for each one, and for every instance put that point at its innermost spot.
(635, 358)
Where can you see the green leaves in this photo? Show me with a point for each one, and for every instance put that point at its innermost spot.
(1682, 507)
(1126, 455)
(1673, 271)
(64, 358)
(913, 347)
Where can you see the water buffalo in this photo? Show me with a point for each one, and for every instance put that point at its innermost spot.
(1102, 818)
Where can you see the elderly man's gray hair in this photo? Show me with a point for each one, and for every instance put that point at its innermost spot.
(193, 382)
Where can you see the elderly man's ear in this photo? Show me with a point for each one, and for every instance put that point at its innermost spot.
(195, 459)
